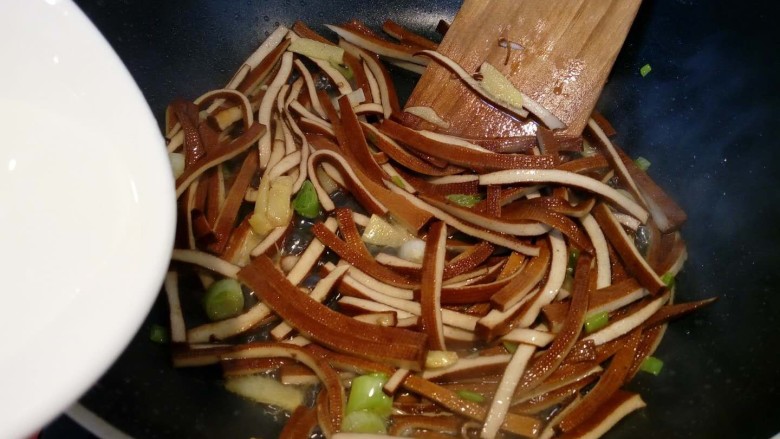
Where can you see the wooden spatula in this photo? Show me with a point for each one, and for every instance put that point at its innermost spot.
(558, 52)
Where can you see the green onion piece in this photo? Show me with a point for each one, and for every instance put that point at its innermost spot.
(159, 334)
(568, 282)
(177, 163)
(344, 69)
(574, 254)
(306, 202)
(645, 69)
(366, 394)
(642, 163)
(465, 200)
(223, 299)
(510, 347)
(651, 365)
(398, 181)
(468, 395)
(363, 421)
(596, 322)
(436, 359)
(668, 280)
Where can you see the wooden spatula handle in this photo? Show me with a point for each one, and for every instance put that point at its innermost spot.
(563, 52)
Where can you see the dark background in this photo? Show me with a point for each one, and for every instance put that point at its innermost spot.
(705, 117)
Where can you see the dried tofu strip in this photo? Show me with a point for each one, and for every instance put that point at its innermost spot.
(376, 45)
(178, 328)
(503, 397)
(315, 103)
(266, 106)
(319, 293)
(603, 266)
(565, 178)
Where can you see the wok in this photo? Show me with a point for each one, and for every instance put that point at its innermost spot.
(705, 117)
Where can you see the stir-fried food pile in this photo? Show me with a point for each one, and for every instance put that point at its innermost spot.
(425, 285)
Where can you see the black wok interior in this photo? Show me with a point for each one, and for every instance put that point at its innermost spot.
(706, 117)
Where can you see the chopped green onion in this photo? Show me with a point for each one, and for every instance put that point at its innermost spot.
(642, 163)
(366, 394)
(306, 202)
(574, 254)
(596, 322)
(266, 390)
(498, 86)
(668, 280)
(510, 347)
(437, 359)
(588, 150)
(651, 365)
(398, 181)
(568, 282)
(343, 69)
(223, 299)
(412, 250)
(363, 421)
(645, 69)
(177, 163)
(381, 232)
(468, 395)
(465, 200)
(158, 334)
(317, 50)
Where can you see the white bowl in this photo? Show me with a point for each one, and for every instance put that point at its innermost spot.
(87, 210)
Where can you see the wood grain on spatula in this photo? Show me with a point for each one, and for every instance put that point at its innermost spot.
(567, 50)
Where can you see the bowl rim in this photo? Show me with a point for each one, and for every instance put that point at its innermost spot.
(64, 357)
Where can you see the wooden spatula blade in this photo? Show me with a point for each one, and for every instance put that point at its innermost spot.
(566, 51)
